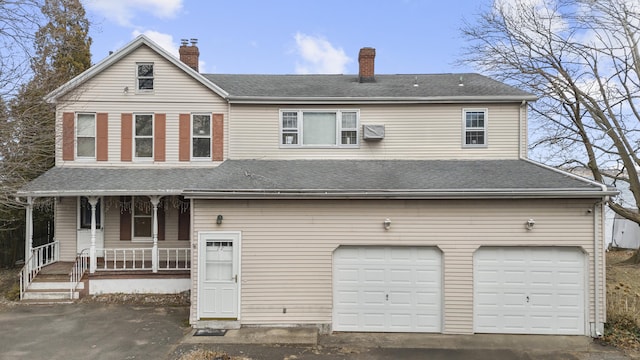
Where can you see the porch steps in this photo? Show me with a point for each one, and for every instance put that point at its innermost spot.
(51, 288)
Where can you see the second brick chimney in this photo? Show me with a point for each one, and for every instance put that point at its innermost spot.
(190, 55)
(366, 59)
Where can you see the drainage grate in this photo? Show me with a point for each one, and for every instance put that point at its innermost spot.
(210, 332)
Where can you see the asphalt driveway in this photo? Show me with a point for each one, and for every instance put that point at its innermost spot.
(107, 331)
(90, 331)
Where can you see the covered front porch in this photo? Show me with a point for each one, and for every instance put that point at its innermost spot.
(111, 239)
(127, 221)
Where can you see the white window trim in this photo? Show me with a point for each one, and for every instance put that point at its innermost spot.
(134, 136)
(95, 137)
(484, 129)
(339, 129)
(133, 222)
(191, 136)
(79, 210)
(153, 77)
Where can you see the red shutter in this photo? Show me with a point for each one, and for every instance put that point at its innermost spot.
(185, 137)
(125, 218)
(184, 219)
(126, 137)
(68, 136)
(218, 137)
(160, 137)
(102, 140)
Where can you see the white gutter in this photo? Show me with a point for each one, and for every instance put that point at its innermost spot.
(443, 194)
(278, 100)
(63, 193)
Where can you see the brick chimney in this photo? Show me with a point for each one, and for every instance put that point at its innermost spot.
(190, 55)
(366, 59)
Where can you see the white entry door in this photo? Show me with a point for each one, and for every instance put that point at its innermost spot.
(387, 289)
(529, 290)
(218, 275)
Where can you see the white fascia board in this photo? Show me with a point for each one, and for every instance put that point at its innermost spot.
(58, 193)
(378, 100)
(423, 195)
(53, 96)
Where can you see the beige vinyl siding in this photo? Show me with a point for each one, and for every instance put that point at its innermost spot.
(411, 132)
(65, 229)
(174, 93)
(287, 246)
(112, 229)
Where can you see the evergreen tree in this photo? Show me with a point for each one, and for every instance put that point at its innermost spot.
(62, 51)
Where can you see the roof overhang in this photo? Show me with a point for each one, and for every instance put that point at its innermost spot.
(378, 100)
(398, 194)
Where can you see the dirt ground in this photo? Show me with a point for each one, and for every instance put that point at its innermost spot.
(623, 303)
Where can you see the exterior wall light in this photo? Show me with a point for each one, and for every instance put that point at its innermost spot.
(219, 220)
(386, 223)
(529, 224)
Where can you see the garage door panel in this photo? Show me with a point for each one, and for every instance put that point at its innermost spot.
(399, 289)
(544, 296)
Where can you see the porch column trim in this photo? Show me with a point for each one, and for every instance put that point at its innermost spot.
(93, 201)
(155, 259)
(28, 236)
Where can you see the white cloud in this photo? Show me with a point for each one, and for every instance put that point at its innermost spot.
(123, 11)
(164, 40)
(167, 42)
(319, 56)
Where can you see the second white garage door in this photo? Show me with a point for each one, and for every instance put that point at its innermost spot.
(529, 290)
(387, 289)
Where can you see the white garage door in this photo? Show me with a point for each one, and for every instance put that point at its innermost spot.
(529, 290)
(387, 289)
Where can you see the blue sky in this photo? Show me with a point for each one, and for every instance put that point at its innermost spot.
(292, 36)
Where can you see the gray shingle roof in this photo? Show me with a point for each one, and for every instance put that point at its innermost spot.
(390, 87)
(400, 178)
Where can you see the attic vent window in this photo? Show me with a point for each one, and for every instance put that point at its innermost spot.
(145, 76)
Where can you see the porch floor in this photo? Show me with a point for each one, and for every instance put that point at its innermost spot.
(63, 268)
(57, 268)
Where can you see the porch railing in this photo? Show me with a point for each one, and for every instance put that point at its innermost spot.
(126, 259)
(136, 259)
(174, 259)
(41, 256)
(80, 266)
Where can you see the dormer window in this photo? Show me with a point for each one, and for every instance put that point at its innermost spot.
(145, 76)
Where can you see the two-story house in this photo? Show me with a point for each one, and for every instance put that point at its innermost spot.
(368, 202)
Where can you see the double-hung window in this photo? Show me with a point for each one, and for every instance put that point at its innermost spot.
(142, 218)
(86, 135)
(143, 136)
(201, 136)
(319, 128)
(144, 76)
(475, 127)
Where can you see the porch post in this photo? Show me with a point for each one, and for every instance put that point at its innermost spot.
(154, 250)
(93, 201)
(28, 236)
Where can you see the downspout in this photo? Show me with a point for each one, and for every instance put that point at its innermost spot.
(597, 229)
(520, 119)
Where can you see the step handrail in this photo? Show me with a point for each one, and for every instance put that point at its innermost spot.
(40, 257)
(80, 266)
